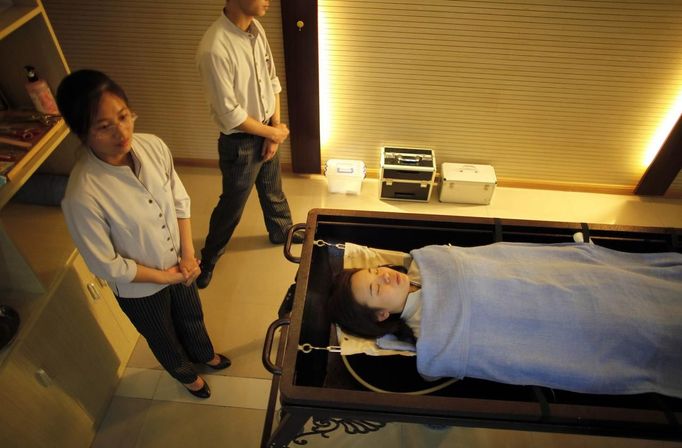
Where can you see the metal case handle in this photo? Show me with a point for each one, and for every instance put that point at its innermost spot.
(403, 158)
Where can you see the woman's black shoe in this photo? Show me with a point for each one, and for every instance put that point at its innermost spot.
(204, 392)
(223, 364)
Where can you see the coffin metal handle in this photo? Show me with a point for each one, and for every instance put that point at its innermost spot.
(267, 345)
(287, 245)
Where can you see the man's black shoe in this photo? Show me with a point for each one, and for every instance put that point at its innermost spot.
(298, 238)
(205, 277)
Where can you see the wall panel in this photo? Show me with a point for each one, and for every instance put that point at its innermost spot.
(148, 47)
(550, 92)
(562, 92)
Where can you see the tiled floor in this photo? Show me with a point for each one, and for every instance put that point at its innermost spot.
(150, 409)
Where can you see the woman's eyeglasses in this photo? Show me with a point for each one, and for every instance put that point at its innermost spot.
(108, 130)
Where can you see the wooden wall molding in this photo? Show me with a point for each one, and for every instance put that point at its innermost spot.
(299, 29)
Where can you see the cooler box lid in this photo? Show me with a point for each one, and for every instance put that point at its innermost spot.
(466, 172)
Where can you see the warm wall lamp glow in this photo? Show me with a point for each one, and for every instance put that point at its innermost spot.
(663, 131)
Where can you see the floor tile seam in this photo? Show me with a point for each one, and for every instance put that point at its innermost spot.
(138, 435)
(203, 374)
(207, 403)
(208, 376)
(157, 384)
(209, 379)
(216, 375)
(124, 378)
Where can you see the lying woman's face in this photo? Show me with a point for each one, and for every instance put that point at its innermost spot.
(382, 289)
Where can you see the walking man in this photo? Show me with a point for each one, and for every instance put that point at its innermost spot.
(238, 74)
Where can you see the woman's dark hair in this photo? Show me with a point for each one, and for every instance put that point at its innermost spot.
(361, 320)
(78, 97)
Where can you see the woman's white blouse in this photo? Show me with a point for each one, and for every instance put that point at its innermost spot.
(118, 218)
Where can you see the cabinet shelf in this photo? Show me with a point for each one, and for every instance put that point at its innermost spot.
(14, 17)
(26, 38)
(32, 160)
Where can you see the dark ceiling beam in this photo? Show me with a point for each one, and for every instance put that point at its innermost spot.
(665, 167)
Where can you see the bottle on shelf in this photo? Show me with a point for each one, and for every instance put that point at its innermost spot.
(40, 93)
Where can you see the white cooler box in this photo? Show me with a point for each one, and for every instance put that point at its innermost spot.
(466, 183)
(344, 176)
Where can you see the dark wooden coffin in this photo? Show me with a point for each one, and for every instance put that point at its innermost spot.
(319, 385)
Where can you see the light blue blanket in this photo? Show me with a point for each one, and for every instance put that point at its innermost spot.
(577, 317)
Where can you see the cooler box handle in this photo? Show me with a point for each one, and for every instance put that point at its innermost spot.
(345, 170)
(468, 168)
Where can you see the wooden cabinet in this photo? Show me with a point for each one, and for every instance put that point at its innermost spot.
(35, 414)
(121, 334)
(56, 385)
(58, 376)
(27, 38)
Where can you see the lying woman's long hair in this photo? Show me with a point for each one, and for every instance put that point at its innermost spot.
(361, 320)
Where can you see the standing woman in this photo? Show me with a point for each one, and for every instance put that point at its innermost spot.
(128, 214)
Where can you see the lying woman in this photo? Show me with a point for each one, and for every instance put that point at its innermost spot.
(576, 317)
